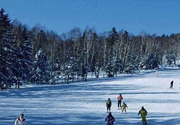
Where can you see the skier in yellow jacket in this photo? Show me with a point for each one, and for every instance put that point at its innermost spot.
(143, 113)
(124, 106)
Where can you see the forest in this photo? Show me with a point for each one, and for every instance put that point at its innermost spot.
(40, 56)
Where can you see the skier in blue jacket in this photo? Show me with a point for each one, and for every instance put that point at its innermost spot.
(110, 119)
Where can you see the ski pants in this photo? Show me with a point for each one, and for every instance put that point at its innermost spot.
(108, 108)
(119, 103)
(144, 120)
(123, 109)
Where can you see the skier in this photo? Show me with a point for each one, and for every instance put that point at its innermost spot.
(17, 84)
(110, 119)
(20, 120)
(119, 98)
(171, 84)
(108, 104)
(124, 106)
(157, 73)
(143, 113)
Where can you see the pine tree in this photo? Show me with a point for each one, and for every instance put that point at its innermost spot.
(171, 56)
(152, 62)
(71, 66)
(8, 51)
(41, 71)
(111, 40)
(25, 56)
(5, 25)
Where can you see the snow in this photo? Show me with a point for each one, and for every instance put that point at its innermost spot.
(83, 103)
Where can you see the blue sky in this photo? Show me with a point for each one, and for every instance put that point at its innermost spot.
(153, 16)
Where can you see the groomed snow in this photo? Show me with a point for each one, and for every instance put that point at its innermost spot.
(83, 103)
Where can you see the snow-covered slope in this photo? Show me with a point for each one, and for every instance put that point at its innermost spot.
(84, 103)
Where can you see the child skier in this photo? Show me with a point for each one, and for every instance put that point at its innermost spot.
(124, 106)
(20, 120)
(108, 104)
(143, 113)
(110, 119)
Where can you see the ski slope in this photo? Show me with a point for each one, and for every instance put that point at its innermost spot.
(83, 103)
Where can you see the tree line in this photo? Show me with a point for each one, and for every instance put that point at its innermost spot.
(38, 55)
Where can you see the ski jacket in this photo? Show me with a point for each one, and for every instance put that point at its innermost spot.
(19, 121)
(143, 113)
(119, 98)
(124, 106)
(110, 119)
(108, 103)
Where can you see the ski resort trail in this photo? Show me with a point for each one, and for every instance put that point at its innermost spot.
(84, 103)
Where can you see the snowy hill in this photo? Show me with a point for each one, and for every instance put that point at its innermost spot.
(84, 103)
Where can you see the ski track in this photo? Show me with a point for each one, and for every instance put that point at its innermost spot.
(83, 103)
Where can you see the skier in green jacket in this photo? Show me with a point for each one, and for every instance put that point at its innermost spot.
(108, 104)
(143, 113)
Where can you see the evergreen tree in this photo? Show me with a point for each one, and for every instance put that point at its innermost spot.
(152, 62)
(111, 40)
(132, 58)
(41, 70)
(8, 51)
(25, 56)
(71, 66)
(171, 56)
(5, 25)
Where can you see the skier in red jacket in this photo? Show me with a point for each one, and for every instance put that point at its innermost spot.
(20, 120)
(119, 98)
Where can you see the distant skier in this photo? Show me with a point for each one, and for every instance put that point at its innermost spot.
(18, 83)
(108, 104)
(157, 73)
(143, 114)
(171, 84)
(124, 106)
(119, 98)
(110, 119)
(20, 120)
